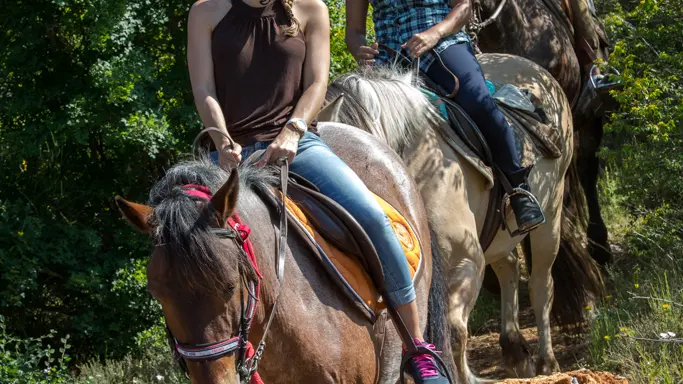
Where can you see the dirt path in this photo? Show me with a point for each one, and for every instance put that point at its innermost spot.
(484, 354)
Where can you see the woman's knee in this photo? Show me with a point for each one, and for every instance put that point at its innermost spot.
(369, 214)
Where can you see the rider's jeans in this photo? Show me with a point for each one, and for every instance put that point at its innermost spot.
(473, 96)
(316, 162)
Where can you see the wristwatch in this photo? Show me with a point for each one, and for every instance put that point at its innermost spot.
(298, 125)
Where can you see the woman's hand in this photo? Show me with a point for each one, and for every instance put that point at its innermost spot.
(365, 55)
(422, 42)
(284, 145)
(229, 155)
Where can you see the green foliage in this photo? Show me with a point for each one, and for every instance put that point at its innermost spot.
(94, 101)
(152, 364)
(642, 196)
(647, 131)
(342, 61)
(30, 361)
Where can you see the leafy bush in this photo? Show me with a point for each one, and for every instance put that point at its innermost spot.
(94, 101)
(637, 329)
(150, 364)
(30, 361)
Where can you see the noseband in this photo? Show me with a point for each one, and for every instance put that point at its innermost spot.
(247, 358)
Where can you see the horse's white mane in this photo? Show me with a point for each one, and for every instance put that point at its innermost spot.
(395, 108)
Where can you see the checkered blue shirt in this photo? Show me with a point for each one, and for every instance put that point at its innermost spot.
(396, 21)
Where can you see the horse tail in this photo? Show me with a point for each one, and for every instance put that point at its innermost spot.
(576, 275)
(438, 329)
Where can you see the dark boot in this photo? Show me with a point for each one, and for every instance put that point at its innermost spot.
(528, 213)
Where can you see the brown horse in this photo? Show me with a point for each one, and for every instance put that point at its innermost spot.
(385, 102)
(202, 275)
(564, 37)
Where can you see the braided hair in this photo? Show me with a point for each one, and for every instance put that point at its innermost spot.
(293, 29)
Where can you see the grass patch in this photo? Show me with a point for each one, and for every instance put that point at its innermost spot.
(638, 328)
(153, 364)
(485, 316)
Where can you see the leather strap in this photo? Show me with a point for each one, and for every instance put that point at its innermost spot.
(210, 129)
(492, 220)
(280, 262)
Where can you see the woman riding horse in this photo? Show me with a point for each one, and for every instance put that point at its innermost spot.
(432, 30)
(259, 72)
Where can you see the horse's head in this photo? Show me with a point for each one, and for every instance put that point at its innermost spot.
(199, 271)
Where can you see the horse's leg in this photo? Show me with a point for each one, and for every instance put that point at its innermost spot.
(545, 242)
(517, 355)
(588, 165)
(463, 285)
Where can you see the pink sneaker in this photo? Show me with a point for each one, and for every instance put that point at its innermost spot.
(424, 369)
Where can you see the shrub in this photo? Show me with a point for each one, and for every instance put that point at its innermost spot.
(31, 361)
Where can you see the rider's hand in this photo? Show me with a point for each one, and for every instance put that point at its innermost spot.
(366, 55)
(284, 145)
(229, 155)
(422, 42)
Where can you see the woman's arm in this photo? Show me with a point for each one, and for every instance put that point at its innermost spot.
(200, 65)
(356, 14)
(317, 61)
(315, 78)
(460, 14)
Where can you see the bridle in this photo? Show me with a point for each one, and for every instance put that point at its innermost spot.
(248, 358)
(475, 24)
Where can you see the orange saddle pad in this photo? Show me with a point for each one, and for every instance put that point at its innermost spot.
(357, 278)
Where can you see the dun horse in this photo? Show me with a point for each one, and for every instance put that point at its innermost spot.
(386, 103)
(204, 275)
(563, 37)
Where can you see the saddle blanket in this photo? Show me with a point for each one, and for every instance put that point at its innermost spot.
(348, 268)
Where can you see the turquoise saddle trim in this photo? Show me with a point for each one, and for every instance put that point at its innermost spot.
(433, 97)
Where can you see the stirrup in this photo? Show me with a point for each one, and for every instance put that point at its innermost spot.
(603, 80)
(504, 204)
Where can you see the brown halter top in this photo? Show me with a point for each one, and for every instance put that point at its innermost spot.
(258, 70)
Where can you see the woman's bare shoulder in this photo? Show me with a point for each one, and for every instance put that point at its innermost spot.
(312, 6)
(209, 11)
(312, 12)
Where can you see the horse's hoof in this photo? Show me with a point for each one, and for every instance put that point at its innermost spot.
(517, 355)
(547, 367)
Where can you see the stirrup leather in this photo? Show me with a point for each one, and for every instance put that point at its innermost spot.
(504, 204)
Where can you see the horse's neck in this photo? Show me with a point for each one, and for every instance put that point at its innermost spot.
(508, 31)
(304, 296)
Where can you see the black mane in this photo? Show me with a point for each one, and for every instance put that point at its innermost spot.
(195, 255)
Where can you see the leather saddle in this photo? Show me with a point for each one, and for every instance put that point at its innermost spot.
(334, 223)
(463, 125)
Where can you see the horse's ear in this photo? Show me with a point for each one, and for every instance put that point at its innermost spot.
(330, 112)
(137, 215)
(225, 200)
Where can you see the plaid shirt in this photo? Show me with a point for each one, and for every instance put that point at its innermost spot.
(396, 21)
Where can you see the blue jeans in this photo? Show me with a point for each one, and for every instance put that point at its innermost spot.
(475, 99)
(316, 162)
